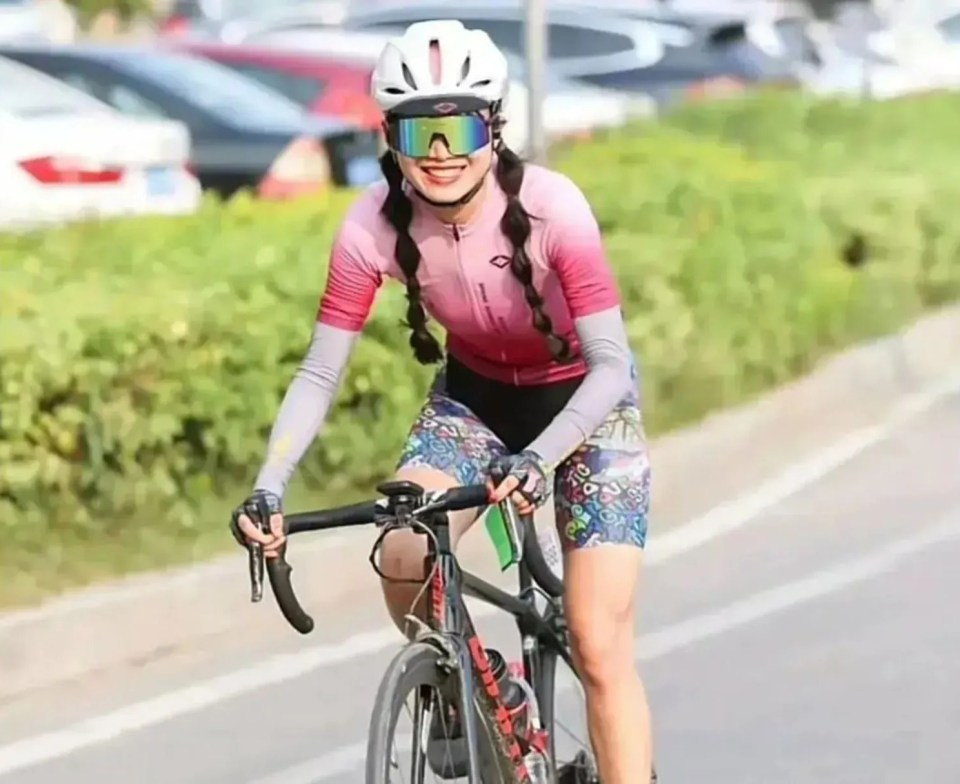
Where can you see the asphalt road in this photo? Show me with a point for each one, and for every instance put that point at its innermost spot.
(817, 642)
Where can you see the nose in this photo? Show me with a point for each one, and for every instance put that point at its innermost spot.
(439, 150)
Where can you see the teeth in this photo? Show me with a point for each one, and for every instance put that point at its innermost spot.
(443, 174)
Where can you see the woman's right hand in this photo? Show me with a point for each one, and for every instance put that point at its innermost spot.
(246, 531)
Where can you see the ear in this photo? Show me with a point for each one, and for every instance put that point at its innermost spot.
(387, 134)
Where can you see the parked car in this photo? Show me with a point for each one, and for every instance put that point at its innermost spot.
(67, 156)
(881, 56)
(30, 21)
(321, 85)
(244, 135)
(949, 26)
(744, 42)
(569, 108)
(643, 53)
(212, 19)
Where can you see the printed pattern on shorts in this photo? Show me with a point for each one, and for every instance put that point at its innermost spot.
(447, 436)
(601, 491)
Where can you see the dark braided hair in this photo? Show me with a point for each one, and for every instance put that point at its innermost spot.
(515, 224)
(398, 210)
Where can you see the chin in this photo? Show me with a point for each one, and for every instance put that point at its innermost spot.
(450, 192)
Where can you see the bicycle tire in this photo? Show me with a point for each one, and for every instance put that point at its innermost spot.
(584, 760)
(416, 665)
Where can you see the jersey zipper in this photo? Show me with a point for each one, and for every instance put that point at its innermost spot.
(469, 291)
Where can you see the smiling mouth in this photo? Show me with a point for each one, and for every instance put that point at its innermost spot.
(443, 174)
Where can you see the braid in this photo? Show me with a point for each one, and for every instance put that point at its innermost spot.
(515, 224)
(398, 210)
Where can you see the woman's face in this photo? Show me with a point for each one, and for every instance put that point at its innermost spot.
(444, 177)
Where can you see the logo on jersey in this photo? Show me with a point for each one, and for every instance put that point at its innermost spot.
(500, 262)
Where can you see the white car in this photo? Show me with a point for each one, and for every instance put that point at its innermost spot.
(883, 54)
(29, 21)
(66, 156)
(570, 109)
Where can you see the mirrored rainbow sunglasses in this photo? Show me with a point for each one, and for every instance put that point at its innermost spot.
(413, 137)
(457, 120)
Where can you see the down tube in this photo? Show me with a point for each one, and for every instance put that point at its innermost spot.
(454, 609)
(443, 615)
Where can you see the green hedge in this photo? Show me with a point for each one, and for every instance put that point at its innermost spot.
(142, 361)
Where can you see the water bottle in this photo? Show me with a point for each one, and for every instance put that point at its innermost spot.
(520, 701)
(537, 768)
(510, 691)
(532, 733)
(447, 751)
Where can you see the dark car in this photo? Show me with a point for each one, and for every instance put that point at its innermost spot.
(700, 48)
(633, 49)
(243, 134)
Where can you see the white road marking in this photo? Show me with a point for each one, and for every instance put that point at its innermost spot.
(277, 669)
(727, 517)
(701, 627)
(788, 595)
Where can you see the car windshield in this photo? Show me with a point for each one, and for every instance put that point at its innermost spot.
(235, 8)
(217, 89)
(29, 93)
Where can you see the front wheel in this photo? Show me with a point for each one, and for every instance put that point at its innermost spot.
(573, 758)
(419, 687)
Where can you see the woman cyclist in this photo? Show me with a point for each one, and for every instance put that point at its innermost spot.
(538, 387)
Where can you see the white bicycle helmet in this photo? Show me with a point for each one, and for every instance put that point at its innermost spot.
(470, 67)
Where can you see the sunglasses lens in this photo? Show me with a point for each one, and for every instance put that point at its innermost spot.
(464, 134)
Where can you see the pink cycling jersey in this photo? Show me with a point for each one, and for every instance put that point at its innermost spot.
(468, 287)
(465, 277)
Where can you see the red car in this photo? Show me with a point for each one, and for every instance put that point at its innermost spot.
(320, 85)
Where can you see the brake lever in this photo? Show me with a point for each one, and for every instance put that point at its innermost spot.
(256, 571)
(256, 557)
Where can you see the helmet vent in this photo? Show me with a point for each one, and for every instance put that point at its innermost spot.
(436, 63)
(465, 69)
(408, 77)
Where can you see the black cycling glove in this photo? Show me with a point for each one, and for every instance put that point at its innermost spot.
(526, 467)
(259, 506)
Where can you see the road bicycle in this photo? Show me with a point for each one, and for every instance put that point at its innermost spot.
(467, 723)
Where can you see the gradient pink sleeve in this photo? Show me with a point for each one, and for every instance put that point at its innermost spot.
(576, 252)
(352, 282)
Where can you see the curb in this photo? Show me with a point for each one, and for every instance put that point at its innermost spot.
(145, 617)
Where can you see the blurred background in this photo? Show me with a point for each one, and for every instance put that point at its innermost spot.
(775, 182)
(167, 98)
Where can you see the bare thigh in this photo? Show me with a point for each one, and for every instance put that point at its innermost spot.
(447, 446)
(403, 552)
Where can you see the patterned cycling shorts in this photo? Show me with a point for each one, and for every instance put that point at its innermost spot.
(601, 491)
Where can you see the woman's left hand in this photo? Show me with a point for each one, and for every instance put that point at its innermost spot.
(521, 478)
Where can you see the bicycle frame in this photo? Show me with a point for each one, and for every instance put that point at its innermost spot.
(543, 635)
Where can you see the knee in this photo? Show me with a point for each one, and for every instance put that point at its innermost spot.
(602, 641)
(401, 556)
